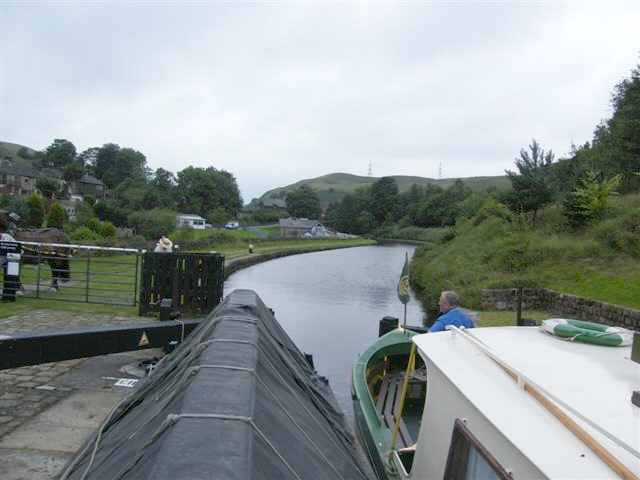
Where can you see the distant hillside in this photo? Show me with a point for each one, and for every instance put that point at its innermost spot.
(334, 186)
(11, 150)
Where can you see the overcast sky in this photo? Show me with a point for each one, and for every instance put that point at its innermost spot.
(275, 92)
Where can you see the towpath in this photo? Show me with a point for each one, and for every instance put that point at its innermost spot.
(48, 410)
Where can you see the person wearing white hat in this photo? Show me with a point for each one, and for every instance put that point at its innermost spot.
(163, 245)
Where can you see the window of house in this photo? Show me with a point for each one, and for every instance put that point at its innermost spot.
(469, 460)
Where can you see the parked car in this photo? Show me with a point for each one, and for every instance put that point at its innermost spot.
(233, 225)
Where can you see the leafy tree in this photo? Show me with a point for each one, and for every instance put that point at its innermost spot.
(74, 171)
(108, 211)
(303, 203)
(532, 184)
(164, 183)
(83, 214)
(154, 223)
(57, 216)
(384, 196)
(35, 211)
(590, 200)
(128, 164)
(88, 158)
(59, 154)
(217, 217)
(48, 186)
(352, 214)
(105, 159)
(201, 190)
(617, 140)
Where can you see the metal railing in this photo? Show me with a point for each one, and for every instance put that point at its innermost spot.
(80, 273)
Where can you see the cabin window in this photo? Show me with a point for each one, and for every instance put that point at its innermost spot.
(469, 459)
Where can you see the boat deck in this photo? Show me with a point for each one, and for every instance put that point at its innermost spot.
(388, 404)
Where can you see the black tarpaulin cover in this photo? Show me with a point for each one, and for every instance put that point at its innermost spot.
(237, 400)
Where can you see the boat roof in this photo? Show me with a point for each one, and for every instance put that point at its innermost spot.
(591, 383)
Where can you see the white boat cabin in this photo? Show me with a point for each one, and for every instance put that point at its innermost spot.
(479, 422)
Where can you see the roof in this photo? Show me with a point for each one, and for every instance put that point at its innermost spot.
(297, 222)
(91, 180)
(190, 216)
(21, 170)
(51, 172)
(236, 400)
(594, 382)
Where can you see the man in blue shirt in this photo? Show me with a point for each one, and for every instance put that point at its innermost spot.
(452, 314)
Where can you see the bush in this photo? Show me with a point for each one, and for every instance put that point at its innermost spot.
(154, 223)
(84, 235)
(108, 230)
(57, 216)
(35, 211)
(621, 233)
(95, 225)
(138, 241)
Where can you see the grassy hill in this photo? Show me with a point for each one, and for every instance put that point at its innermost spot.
(334, 186)
(11, 149)
(500, 250)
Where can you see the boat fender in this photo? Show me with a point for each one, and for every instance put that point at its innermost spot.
(587, 332)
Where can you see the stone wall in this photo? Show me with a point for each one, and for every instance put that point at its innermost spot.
(562, 304)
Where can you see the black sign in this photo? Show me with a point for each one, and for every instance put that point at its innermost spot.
(9, 247)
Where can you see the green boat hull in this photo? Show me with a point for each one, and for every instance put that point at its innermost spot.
(375, 438)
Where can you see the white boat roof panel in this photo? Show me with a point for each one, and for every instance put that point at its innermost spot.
(597, 382)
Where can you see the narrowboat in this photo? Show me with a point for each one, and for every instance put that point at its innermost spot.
(497, 403)
(236, 400)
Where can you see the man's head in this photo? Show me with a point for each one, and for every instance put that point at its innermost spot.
(448, 300)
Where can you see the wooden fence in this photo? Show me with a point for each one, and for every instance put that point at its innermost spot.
(194, 281)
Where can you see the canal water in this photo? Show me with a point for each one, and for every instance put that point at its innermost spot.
(330, 303)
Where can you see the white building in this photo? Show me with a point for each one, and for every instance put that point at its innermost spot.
(188, 220)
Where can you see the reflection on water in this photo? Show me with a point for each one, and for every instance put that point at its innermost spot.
(330, 303)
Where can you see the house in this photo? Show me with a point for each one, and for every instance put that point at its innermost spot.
(273, 203)
(301, 227)
(189, 220)
(89, 185)
(69, 207)
(17, 179)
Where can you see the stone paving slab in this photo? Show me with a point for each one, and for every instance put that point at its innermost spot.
(26, 391)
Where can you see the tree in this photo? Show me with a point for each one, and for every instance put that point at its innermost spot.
(217, 217)
(532, 184)
(303, 203)
(164, 182)
(384, 195)
(590, 200)
(74, 171)
(48, 186)
(35, 211)
(59, 154)
(127, 164)
(57, 216)
(154, 223)
(352, 214)
(201, 190)
(105, 159)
